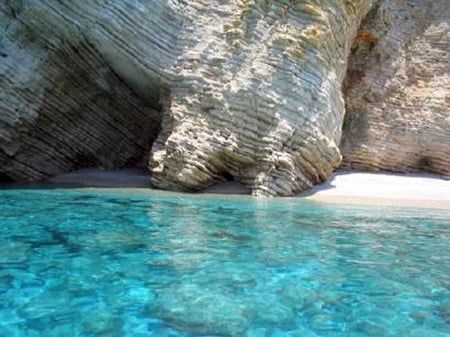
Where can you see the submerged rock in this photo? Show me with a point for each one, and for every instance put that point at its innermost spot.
(197, 310)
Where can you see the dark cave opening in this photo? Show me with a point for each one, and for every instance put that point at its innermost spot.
(92, 116)
(5, 178)
(228, 176)
(363, 55)
(425, 164)
(99, 106)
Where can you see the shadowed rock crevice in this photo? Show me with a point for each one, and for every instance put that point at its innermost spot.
(64, 107)
(396, 90)
(85, 116)
(5, 179)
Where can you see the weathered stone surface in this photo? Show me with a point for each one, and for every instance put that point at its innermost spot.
(256, 95)
(398, 89)
(64, 103)
(248, 90)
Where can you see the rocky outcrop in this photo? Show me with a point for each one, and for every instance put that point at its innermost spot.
(397, 90)
(64, 104)
(256, 96)
(248, 90)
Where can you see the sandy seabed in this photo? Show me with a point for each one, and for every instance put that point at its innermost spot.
(345, 187)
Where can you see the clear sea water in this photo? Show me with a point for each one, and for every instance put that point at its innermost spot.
(90, 263)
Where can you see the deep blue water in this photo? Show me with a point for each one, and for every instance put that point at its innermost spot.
(89, 263)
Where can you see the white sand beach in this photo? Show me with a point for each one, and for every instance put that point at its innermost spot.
(418, 190)
(347, 187)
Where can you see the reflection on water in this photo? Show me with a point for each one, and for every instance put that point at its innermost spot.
(165, 264)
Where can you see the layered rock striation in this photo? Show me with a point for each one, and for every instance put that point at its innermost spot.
(248, 90)
(256, 96)
(66, 101)
(398, 90)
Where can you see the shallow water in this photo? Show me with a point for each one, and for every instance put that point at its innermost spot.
(90, 263)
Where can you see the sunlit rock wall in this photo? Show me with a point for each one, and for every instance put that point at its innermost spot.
(398, 89)
(256, 95)
(248, 90)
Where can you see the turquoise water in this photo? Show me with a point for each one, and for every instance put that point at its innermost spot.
(87, 263)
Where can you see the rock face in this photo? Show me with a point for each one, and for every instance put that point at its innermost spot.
(248, 90)
(256, 95)
(63, 103)
(397, 89)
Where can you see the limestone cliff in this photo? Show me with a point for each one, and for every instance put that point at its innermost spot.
(256, 95)
(248, 90)
(64, 103)
(398, 89)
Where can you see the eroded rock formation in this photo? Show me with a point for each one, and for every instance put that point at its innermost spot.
(256, 95)
(64, 104)
(398, 89)
(248, 90)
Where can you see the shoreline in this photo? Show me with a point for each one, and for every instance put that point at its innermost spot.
(344, 187)
(388, 189)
